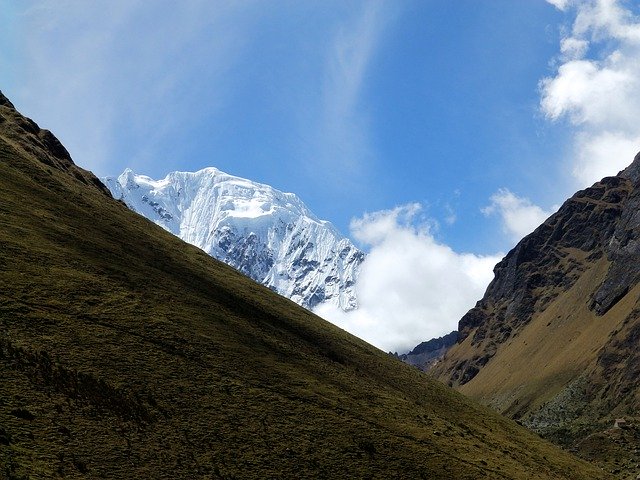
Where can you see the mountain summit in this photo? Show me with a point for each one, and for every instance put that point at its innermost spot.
(268, 235)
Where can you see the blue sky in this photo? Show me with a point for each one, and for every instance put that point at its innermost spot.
(485, 114)
(354, 106)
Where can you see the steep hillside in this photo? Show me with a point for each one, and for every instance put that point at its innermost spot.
(554, 341)
(269, 235)
(126, 353)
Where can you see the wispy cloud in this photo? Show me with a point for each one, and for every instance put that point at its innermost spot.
(560, 4)
(597, 86)
(125, 71)
(519, 216)
(342, 138)
(117, 77)
(411, 286)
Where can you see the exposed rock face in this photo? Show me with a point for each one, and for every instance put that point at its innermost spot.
(623, 246)
(554, 341)
(4, 102)
(548, 262)
(269, 235)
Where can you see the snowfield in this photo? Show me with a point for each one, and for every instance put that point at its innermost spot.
(269, 235)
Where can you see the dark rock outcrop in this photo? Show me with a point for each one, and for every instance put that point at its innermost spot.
(4, 102)
(623, 247)
(435, 344)
(601, 220)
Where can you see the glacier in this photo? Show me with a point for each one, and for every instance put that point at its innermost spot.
(269, 235)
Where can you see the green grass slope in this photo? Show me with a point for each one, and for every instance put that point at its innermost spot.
(125, 353)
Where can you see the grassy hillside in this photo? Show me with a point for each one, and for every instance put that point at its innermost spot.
(549, 376)
(126, 353)
(554, 341)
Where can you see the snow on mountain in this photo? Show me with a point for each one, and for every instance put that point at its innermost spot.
(269, 235)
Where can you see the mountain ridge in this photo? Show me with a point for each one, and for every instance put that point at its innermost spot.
(553, 341)
(28, 138)
(427, 354)
(269, 235)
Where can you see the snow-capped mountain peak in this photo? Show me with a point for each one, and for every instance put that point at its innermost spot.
(269, 235)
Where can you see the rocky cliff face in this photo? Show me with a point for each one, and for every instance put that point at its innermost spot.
(548, 262)
(623, 245)
(554, 340)
(268, 235)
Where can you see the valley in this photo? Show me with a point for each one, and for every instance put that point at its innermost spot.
(126, 353)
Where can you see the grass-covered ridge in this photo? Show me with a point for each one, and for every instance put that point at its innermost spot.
(126, 353)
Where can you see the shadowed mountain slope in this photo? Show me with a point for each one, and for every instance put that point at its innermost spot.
(126, 353)
(554, 341)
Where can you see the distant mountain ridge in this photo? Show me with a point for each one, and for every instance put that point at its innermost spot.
(427, 354)
(269, 235)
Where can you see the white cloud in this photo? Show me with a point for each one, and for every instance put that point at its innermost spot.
(339, 131)
(600, 95)
(559, 4)
(603, 154)
(591, 93)
(518, 215)
(411, 287)
(573, 48)
(605, 19)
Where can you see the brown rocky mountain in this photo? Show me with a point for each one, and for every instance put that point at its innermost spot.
(554, 342)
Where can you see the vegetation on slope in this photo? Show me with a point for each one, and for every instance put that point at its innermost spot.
(553, 343)
(125, 353)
